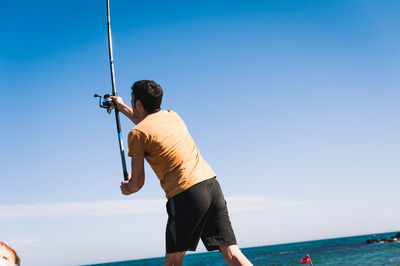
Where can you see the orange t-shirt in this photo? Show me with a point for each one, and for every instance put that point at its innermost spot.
(165, 142)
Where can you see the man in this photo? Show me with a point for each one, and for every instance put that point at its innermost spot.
(196, 206)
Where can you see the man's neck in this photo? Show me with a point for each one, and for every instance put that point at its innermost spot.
(140, 118)
(137, 120)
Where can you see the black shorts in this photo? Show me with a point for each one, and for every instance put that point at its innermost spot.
(198, 212)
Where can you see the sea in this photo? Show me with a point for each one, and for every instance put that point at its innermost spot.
(335, 251)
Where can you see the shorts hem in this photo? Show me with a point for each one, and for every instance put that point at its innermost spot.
(180, 250)
(216, 244)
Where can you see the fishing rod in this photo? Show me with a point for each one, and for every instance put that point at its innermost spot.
(107, 102)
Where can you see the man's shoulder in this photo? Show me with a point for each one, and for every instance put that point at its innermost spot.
(136, 133)
(164, 113)
(156, 125)
(156, 119)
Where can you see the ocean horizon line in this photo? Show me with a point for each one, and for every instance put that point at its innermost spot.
(147, 261)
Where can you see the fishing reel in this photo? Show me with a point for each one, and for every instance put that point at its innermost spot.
(106, 103)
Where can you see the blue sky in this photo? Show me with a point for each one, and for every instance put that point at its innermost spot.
(293, 103)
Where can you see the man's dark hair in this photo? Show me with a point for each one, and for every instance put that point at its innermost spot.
(149, 93)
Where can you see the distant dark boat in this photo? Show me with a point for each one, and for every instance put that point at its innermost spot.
(395, 238)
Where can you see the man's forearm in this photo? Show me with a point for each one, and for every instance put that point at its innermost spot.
(127, 111)
(135, 184)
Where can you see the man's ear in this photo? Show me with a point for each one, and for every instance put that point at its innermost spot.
(139, 104)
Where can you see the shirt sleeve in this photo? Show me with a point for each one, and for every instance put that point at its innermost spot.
(136, 143)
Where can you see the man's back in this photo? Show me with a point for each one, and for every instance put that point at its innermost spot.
(163, 139)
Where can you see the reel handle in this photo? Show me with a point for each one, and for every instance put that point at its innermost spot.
(106, 102)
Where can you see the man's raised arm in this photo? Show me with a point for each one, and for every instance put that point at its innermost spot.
(122, 107)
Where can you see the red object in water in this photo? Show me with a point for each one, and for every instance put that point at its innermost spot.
(306, 259)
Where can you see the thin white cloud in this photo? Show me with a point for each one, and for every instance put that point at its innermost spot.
(239, 204)
(23, 242)
(120, 207)
(83, 208)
